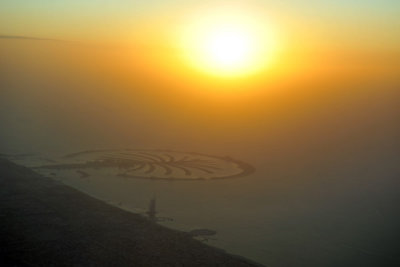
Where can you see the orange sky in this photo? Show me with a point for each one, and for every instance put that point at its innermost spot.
(316, 41)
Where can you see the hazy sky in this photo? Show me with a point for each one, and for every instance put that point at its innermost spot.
(118, 19)
(334, 36)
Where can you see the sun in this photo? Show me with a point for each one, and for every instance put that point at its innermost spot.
(228, 47)
(226, 42)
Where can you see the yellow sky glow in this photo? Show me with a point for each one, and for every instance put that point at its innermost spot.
(227, 42)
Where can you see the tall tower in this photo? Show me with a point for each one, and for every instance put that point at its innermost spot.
(152, 210)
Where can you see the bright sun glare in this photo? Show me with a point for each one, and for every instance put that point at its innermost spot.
(228, 47)
(228, 42)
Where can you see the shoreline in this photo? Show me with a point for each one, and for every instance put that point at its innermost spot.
(45, 222)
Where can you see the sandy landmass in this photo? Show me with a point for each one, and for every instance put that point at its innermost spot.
(46, 223)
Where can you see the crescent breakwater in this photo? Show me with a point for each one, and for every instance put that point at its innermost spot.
(153, 164)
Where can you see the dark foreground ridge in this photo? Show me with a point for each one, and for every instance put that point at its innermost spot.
(45, 223)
